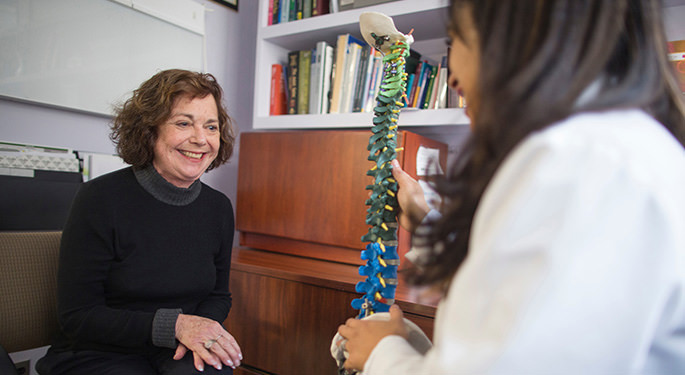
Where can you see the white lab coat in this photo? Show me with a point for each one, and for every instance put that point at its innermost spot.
(576, 262)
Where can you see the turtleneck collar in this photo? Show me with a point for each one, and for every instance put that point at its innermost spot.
(163, 190)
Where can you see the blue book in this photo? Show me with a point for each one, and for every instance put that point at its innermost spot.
(425, 79)
(410, 82)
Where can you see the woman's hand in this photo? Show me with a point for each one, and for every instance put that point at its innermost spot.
(363, 335)
(413, 206)
(195, 333)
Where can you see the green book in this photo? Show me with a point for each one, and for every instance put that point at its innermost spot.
(293, 10)
(305, 63)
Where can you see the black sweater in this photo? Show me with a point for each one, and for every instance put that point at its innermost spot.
(126, 256)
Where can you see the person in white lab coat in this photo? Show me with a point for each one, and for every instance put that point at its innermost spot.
(560, 245)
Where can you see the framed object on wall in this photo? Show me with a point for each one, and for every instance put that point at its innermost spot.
(229, 3)
(90, 55)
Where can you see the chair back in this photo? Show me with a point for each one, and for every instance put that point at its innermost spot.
(28, 289)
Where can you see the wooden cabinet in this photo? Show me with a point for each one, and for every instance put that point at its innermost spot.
(304, 193)
(287, 309)
(301, 211)
(427, 17)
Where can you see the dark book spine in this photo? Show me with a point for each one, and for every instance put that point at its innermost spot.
(293, 10)
(429, 89)
(275, 14)
(293, 73)
(300, 9)
(360, 79)
(320, 7)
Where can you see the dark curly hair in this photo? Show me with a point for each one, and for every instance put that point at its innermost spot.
(134, 129)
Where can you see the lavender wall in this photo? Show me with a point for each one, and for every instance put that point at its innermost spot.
(230, 57)
(230, 38)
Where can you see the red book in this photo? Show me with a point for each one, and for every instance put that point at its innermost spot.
(270, 18)
(278, 103)
(320, 7)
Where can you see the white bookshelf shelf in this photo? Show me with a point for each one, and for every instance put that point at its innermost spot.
(428, 18)
(449, 116)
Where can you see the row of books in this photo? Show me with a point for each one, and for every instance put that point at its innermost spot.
(427, 84)
(290, 10)
(347, 78)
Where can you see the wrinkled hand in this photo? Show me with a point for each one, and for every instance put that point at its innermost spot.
(194, 331)
(413, 206)
(363, 335)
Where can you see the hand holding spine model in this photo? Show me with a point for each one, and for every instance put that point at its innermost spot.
(381, 255)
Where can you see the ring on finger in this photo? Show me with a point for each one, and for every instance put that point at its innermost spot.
(209, 343)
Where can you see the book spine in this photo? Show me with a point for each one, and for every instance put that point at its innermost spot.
(316, 79)
(285, 11)
(350, 80)
(452, 99)
(351, 65)
(286, 93)
(293, 10)
(315, 8)
(367, 79)
(300, 9)
(327, 79)
(277, 103)
(377, 80)
(441, 101)
(293, 73)
(307, 9)
(436, 89)
(424, 86)
(372, 81)
(338, 75)
(274, 89)
(303, 81)
(320, 7)
(344, 4)
(361, 78)
(415, 85)
(410, 84)
(429, 89)
(276, 13)
(270, 17)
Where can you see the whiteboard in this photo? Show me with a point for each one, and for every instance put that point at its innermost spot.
(90, 55)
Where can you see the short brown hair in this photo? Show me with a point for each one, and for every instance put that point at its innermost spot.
(134, 129)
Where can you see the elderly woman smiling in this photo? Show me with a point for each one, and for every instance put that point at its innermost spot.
(146, 251)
